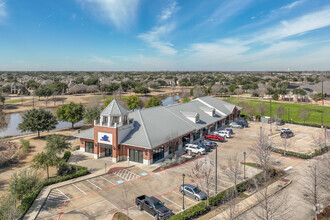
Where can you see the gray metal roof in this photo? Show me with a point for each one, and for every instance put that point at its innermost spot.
(189, 114)
(88, 134)
(115, 109)
(224, 108)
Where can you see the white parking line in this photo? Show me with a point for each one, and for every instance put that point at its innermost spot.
(79, 189)
(107, 180)
(171, 201)
(94, 184)
(63, 194)
(186, 197)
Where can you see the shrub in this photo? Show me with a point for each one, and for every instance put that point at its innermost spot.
(66, 156)
(196, 210)
(25, 145)
(26, 180)
(121, 216)
(300, 155)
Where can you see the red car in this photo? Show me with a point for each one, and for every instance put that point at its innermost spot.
(214, 137)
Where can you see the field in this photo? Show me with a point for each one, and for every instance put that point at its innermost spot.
(315, 111)
(16, 101)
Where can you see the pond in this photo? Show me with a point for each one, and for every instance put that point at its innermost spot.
(14, 119)
(170, 100)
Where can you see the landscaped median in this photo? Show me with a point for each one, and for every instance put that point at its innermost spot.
(201, 208)
(300, 155)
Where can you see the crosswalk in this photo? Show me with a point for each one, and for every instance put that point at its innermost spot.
(126, 174)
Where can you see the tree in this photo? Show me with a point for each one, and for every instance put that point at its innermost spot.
(153, 101)
(203, 173)
(70, 112)
(7, 209)
(107, 101)
(262, 151)
(238, 91)
(286, 144)
(92, 113)
(232, 87)
(303, 115)
(26, 179)
(141, 90)
(185, 100)
(57, 144)
(109, 88)
(2, 99)
(58, 87)
(133, 102)
(262, 108)
(198, 92)
(233, 170)
(36, 120)
(280, 112)
(45, 160)
(43, 91)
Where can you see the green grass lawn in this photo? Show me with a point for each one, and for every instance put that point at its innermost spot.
(315, 117)
(16, 101)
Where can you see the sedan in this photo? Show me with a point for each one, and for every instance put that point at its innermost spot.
(211, 144)
(214, 137)
(235, 125)
(193, 192)
(207, 148)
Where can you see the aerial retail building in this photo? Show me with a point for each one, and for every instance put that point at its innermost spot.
(150, 135)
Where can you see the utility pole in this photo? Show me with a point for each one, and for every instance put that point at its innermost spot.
(244, 153)
(216, 170)
(270, 118)
(288, 114)
(322, 92)
(183, 175)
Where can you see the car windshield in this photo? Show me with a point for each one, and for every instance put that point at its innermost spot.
(198, 148)
(196, 190)
(158, 205)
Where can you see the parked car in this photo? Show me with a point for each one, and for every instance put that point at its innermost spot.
(286, 133)
(211, 144)
(207, 148)
(193, 192)
(215, 137)
(243, 123)
(227, 129)
(223, 134)
(153, 206)
(194, 148)
(235, 125)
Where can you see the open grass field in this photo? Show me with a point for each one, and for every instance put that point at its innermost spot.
(16, 101)
(315, 111)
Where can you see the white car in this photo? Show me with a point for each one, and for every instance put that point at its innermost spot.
(223, 133)
(194, 148)
(235, 125)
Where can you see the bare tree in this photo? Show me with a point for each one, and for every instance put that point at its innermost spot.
(198, 92)
(320, 140)
(272, 207)
(285, 144)
(261, 90)
(262, 108)
(303, 115)
(232, 210)
(280, 112)
(262, 150)
(238, 91)
(233, 170)
(203, 173)
(325, 173)
(126, 200)
(215, 89)
(247, 108)
(312, 185)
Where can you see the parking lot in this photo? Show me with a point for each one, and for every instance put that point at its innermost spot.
(100, 197)
(303, 140)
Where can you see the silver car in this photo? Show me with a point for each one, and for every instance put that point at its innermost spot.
(193, 192)
(235, 125)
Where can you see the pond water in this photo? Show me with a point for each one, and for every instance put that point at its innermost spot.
(14, 119)
(171, 100)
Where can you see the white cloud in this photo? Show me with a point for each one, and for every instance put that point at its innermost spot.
(292, 5)
(155, 36)
(3, 11)
(121, 13)
(168, 12)
(96, 59)
(297, 26)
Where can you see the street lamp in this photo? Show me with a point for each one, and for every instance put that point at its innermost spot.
(15, 192)
(244, 153)
(216, 170)
(317, 209)
(183, 175)
(105, 167)
(270, 114)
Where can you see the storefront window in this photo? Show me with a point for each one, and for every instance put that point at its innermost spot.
(158, 154)
(89, 147)
(136, 155)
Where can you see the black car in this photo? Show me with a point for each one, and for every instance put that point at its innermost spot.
(153, 206)
(211, 144)
(243, 123)
(207, 148)
(286, 133)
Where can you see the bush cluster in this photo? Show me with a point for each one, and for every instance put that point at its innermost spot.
(195, 211)
(300, 155)
(25, 145)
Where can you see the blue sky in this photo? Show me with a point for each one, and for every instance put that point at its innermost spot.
(164, 35)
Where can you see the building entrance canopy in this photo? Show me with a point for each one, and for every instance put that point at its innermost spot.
(106, 146)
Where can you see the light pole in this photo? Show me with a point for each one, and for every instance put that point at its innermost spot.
(216, 170)
(317, 208)
(105, 167)
(270, 114)
(183, 175)
(288, 114)
(15, 192)
(244, 153)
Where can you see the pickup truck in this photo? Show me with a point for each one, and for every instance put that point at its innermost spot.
(153, 206)
(214, 137)
(194, 148)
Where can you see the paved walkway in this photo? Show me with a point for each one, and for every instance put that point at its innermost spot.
(252, 200)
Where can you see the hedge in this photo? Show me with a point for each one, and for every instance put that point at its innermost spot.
(300, 155)
(202, 208)
(66, 156)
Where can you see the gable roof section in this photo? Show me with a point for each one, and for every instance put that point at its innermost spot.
(115, 109)
(87, 134)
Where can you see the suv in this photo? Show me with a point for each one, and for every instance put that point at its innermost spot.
(192, 191)
(286, 133)
(235, 125)
(193, 148)
(223, 133)
(227, 129)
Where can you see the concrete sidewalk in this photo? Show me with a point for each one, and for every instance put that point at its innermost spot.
(253, 200)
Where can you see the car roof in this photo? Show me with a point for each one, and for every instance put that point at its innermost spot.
(153, 199)
(190, 185)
